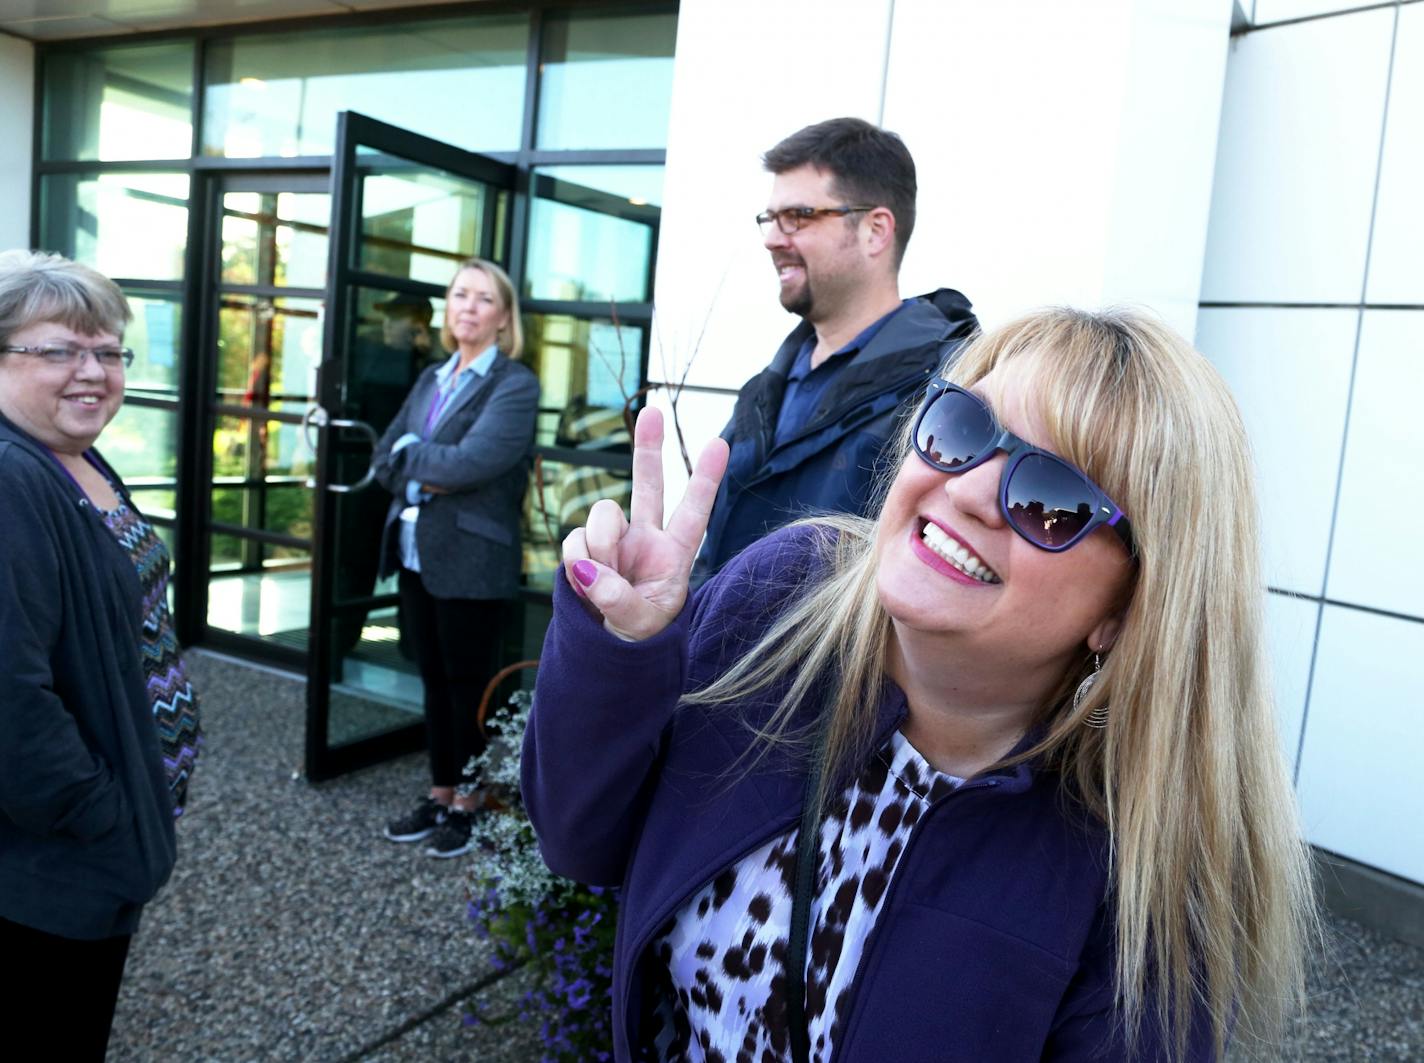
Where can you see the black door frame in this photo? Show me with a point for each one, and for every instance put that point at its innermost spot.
(322, 761)
(199, 408)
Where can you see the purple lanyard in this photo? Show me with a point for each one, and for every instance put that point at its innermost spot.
(437, 404)
(89, 457)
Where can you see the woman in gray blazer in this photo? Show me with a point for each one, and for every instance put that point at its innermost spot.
(456, 459)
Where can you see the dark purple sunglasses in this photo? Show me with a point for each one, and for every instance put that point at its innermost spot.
(1050, 503)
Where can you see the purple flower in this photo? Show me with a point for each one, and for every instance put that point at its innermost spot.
(578, 994)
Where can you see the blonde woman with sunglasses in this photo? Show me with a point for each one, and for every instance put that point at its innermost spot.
(992, 777)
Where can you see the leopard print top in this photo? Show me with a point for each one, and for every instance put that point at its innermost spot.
(717, 978)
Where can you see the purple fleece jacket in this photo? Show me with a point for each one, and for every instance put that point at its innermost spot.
(994, 941)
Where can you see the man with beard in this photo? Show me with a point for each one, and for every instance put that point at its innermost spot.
(808, 432)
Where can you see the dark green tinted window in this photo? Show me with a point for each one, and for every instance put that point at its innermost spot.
(129, 102)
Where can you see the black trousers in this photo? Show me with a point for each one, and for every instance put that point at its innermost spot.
(457, 646)
(60, 989)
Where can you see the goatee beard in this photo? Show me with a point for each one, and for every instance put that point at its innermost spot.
(798, 302)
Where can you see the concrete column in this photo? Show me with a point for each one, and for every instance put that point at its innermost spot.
(17, 116)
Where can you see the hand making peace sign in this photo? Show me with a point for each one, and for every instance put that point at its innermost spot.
(635, 573)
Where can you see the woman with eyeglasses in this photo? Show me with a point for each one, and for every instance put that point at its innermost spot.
(992, 777)
(98, 722)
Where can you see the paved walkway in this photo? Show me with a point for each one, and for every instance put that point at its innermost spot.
(292, 931)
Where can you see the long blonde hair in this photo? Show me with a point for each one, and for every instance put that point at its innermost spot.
(1210, 877)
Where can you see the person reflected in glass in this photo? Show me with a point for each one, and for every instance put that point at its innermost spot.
(1022, 776)
(98, 719)
(456, 458)
(386, 359)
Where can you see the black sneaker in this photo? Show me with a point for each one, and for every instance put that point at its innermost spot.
(420, 822)
(455, 836)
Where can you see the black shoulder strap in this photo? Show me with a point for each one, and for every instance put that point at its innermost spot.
(807, 851)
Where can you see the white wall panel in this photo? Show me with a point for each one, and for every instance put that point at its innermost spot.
(1290, 634)
(702, 416)
(1064, 150)
(1397, 248)
(1064, 154)
(1376, 557)
(1290, 373)
(747, 74)
(17, 116)
(1361, 792)
(1161, 201)
(1296, 161)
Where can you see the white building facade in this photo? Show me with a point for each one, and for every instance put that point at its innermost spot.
(1254, 176)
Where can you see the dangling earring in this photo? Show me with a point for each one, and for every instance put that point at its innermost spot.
(1098, 717)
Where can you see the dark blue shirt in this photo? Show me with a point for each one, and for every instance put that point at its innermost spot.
(805, 386)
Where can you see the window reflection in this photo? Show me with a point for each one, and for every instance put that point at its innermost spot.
(122, 224)
(593, 233)
(418, 222)
(589, 373)
(558, 500)
(606, 80)
(275, 238)
(154, 334)
(395, 336)
(141, 443)
(129, 102)
(278, 94)
(582, 363)
(268, 351)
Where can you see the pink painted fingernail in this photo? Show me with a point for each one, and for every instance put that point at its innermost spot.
(585, 572)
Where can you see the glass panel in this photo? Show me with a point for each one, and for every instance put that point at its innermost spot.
(418, 222)
(252, 451)
(396, 335)
(640, 186)
(154, 334)
(275, 238)
(122, 224)
(156, 503)
(606, 80)
(129, 102)
(254, 590)
(583, 366)
(375, 684)
(141, 443)
(268, 351)
(278, 94)
(592, 233)
(560, 495)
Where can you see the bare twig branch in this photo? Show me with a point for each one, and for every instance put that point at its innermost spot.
(549, 528)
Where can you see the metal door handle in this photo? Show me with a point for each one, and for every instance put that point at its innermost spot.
(317, 417)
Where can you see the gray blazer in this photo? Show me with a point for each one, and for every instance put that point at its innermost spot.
(480, 453)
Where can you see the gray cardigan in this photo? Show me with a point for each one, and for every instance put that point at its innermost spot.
(480, 452)
(86, 817)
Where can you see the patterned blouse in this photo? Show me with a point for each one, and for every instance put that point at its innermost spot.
(718, 980)
(175, 707)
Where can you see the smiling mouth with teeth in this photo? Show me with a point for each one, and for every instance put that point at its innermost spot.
(956, 554)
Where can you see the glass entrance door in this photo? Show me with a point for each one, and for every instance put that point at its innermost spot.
(264, 343)
(406, 210)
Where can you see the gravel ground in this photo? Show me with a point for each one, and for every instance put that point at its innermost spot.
(292, 931)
